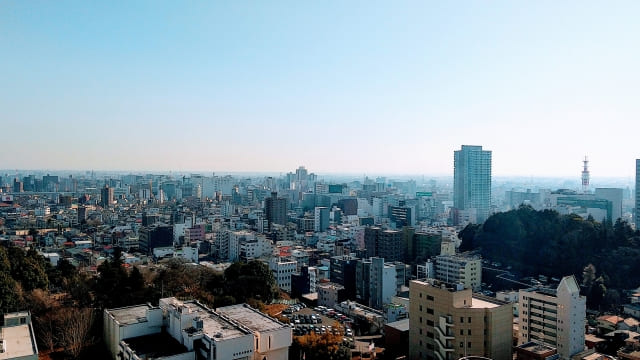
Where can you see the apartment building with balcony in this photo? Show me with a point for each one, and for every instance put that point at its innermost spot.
(555, 317)
(448, 321)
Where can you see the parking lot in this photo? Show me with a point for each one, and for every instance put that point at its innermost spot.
(319, 321)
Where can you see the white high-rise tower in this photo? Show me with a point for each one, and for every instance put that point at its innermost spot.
(472, 180)
(585, 176)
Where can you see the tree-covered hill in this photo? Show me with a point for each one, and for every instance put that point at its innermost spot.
(545, 242)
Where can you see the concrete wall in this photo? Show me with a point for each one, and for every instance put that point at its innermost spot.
(272, 343)
(115, 332)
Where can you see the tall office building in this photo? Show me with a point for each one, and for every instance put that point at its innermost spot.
(554, 317)
(321, 219)
(637, 217)
(472, 181)
(275, 210)
(448, 322)
(106, 196)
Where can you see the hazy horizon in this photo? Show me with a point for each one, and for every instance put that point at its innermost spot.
(321, 175)
(361, 88)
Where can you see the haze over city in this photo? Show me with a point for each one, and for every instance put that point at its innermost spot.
(351, 87)
(344, 180)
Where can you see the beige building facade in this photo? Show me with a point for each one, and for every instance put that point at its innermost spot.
(448, 322)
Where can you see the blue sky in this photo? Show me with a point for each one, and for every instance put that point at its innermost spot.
(337, 86)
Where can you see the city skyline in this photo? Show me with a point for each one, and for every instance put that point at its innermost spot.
(340, 88)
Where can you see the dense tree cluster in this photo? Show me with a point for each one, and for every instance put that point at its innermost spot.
(117, 287)
(20, 273)
(545, 242)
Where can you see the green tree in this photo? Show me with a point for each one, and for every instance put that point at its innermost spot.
(467, 235)
(29, 268)
(598, 293)
(250, 280)
(109, 287)
(9, 298)
(5, 264)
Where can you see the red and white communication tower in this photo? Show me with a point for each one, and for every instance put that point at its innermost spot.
(585, 176)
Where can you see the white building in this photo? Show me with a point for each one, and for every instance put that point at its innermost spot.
(382, 283)
(163, 252)
(129, 322)
(329, 294)
(178, 230)
(425, 271)
(272, 338)
(282, 269)
(189, 253)
(206, 332)
(186, 330)
(246, 245)
(221, 244)
(52, 257)
(394, 312)
(556, 318)
(17, 338)
(255, 247)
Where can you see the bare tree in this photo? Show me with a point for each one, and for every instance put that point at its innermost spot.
(46, 326)
(74, 330)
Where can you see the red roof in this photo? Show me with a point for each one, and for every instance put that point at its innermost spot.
(611, 318)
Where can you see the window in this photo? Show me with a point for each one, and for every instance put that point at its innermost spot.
(461, 344)
(468, 344)
(430, 322)
(429, 311)
(429, 297)
(420, 331)
(430, 334)
(469, 332)
(420, 319)
(469, 319)
(461, 331)
(420, 307)
(461, 320)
